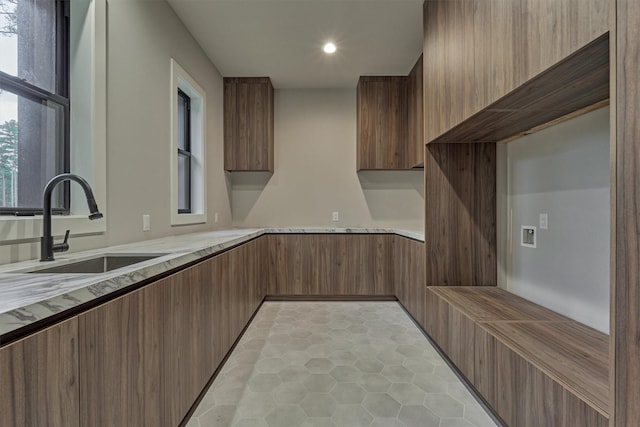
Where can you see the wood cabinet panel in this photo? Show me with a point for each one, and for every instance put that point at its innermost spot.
(625, 297)
(248, 124)
(521, 393)
(188, 339)
(410, 287)
(415, 115)
(39, 374)
(480, 51)
(460, 214)
(328, 265)
(121, 343)
(382, 123)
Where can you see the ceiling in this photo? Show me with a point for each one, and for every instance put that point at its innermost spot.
(283, 39)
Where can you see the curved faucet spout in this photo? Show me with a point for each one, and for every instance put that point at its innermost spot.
(47, 248)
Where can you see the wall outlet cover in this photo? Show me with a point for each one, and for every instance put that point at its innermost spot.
(544, 221)
(335, 216)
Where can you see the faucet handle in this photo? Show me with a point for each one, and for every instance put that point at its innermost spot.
(64, 246)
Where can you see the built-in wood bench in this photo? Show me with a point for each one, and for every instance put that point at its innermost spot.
(532, 365)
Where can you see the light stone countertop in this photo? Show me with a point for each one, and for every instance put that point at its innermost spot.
(27, 298)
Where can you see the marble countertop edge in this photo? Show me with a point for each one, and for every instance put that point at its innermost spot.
(28, 298)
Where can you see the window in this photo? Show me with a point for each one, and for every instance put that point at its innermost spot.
(34, 103)
(188, 109)
(184, 152)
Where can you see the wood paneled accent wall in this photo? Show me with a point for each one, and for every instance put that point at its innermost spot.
(625, 301)
(481, 50)
(460, 214)
(248, 124)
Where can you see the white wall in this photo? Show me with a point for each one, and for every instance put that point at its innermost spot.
(315, 172)
(142, 36)
(562, 171)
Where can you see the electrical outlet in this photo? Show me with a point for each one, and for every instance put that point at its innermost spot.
(146, 222)
(335, 216)
(215, 217)
(544, 221)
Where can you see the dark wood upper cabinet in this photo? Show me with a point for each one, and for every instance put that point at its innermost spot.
(390, 121)
(500, 68)
(248, 124)
(382, 118)
(415, 116)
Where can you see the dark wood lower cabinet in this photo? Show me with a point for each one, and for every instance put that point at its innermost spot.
(333, 265)
(409, 281)
(146, 356)
(39, 379)
(121, 344)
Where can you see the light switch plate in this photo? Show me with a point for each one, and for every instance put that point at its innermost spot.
(146, 222)
(544, 221)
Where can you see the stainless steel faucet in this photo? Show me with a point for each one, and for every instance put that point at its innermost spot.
(47, 247)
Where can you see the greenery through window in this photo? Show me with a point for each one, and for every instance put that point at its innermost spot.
(34, 102)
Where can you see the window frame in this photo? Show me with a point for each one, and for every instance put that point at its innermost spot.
(185, 152)
(181, 80)
(60, 99)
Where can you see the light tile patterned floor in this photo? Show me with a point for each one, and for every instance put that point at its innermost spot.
(341, 364)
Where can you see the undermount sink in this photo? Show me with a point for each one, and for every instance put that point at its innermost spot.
(99, 264)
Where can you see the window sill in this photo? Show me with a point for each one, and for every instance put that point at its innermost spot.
(187, 219)
(24, 228)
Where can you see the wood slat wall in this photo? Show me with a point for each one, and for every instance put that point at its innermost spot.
(460, 214)
(39, 379)
(625, 139)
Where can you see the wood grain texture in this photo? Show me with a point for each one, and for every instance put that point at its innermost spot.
(480, 51)
(491, 304)
(575, 83)
(321, 264)
(626, 227)
(524, 395)
(415, 115)
(248, 124)
(120, 346)
(39, 385)
(460, 214)
(410, 287)
(188, 346)
(382, 107)
(573, 355)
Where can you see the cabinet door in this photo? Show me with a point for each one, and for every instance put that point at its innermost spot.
(382, 123)
(39, 385)
(120, 365)
(248, 124)
(188, 357)
(410, 284)
(415, 126)
(334, 265)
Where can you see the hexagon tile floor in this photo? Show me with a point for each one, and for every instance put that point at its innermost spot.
(341, 364)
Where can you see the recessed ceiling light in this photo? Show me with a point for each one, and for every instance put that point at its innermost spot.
(329, 48)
